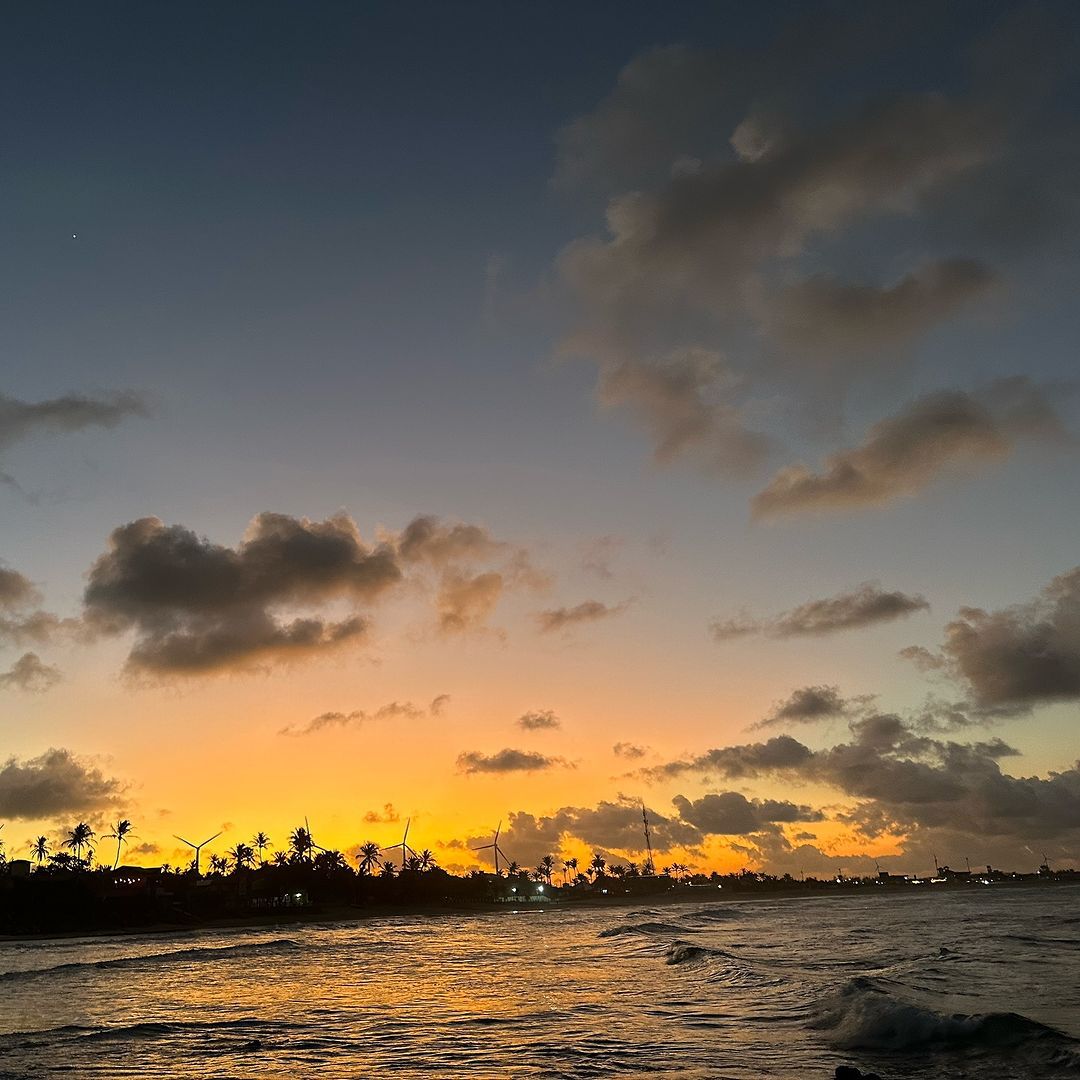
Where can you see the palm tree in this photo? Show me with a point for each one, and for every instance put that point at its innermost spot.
(301, 843)
(330, 860)
(242, 855)
(570, 865)
(39, 849)
(596, 867)
(260, 841)
(79, 838)
(389, 868)
(280, 858)
(368, 857)
(513, 869)
(547, 867)
(427, 859)
(120, 833)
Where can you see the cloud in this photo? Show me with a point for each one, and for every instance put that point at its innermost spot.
(564, 618)
(830, 321)
(735, 762)
(387, 816)
(292, 588)
(539, 720)
(395, 710)
(611, 827)
(16, 591)
(54, 783)
(904, 781)
(73, 412)
(598, 555)
(1020, 656)
(760, 232)
(729, 813)
(465, 601)
(630, 751)
(866, 605)
(903, 454)
(506, 761)
(810, 704)
(682, 400)
(29, 673)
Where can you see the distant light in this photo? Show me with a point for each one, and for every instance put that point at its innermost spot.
(540, 888)
(74, 236)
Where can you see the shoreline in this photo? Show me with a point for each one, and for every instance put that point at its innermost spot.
(339, 913)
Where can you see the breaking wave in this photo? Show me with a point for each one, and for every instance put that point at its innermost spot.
(865, 1016)
(198, 954)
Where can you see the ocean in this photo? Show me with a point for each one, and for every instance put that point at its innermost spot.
(975, 983)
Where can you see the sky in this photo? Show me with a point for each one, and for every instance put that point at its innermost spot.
(501, 413)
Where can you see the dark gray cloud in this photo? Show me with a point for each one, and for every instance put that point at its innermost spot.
(54, 783)
(628, 750)
(564, 618)
(31, 674)
(539, 720)
(20, 625)
(1020, 656)
(394, 710)
(199, 607)
(904, 780)
(810, 704)
(734, 762)
(866, 605)
(903, 454)
(72, 412)
(729, 813)
(507, 760)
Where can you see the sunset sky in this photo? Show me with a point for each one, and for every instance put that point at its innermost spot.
(522, 412)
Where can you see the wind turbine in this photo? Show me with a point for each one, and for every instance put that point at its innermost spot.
(198, 847)
(311, 839)
(495, 849)
(403, 845)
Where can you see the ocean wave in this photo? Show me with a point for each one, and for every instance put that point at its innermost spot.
(682, 952)
(224, 952)
(643, 928)
(865, 1016)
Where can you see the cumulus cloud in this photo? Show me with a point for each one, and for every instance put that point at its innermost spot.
(722, 285)
(31, 674)
(1020, 656)
(54, 783)
(16, 591)
(903, 454)
(291, 588)
(394, 710)
(810, 704)
(506, 761)
(903, 780)
(539, 720)
(564, 618)
(729, 813)
(682, 399)
(865, 605)
(611, 827)
(20, 625)
(72, 412)
(628, 750)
